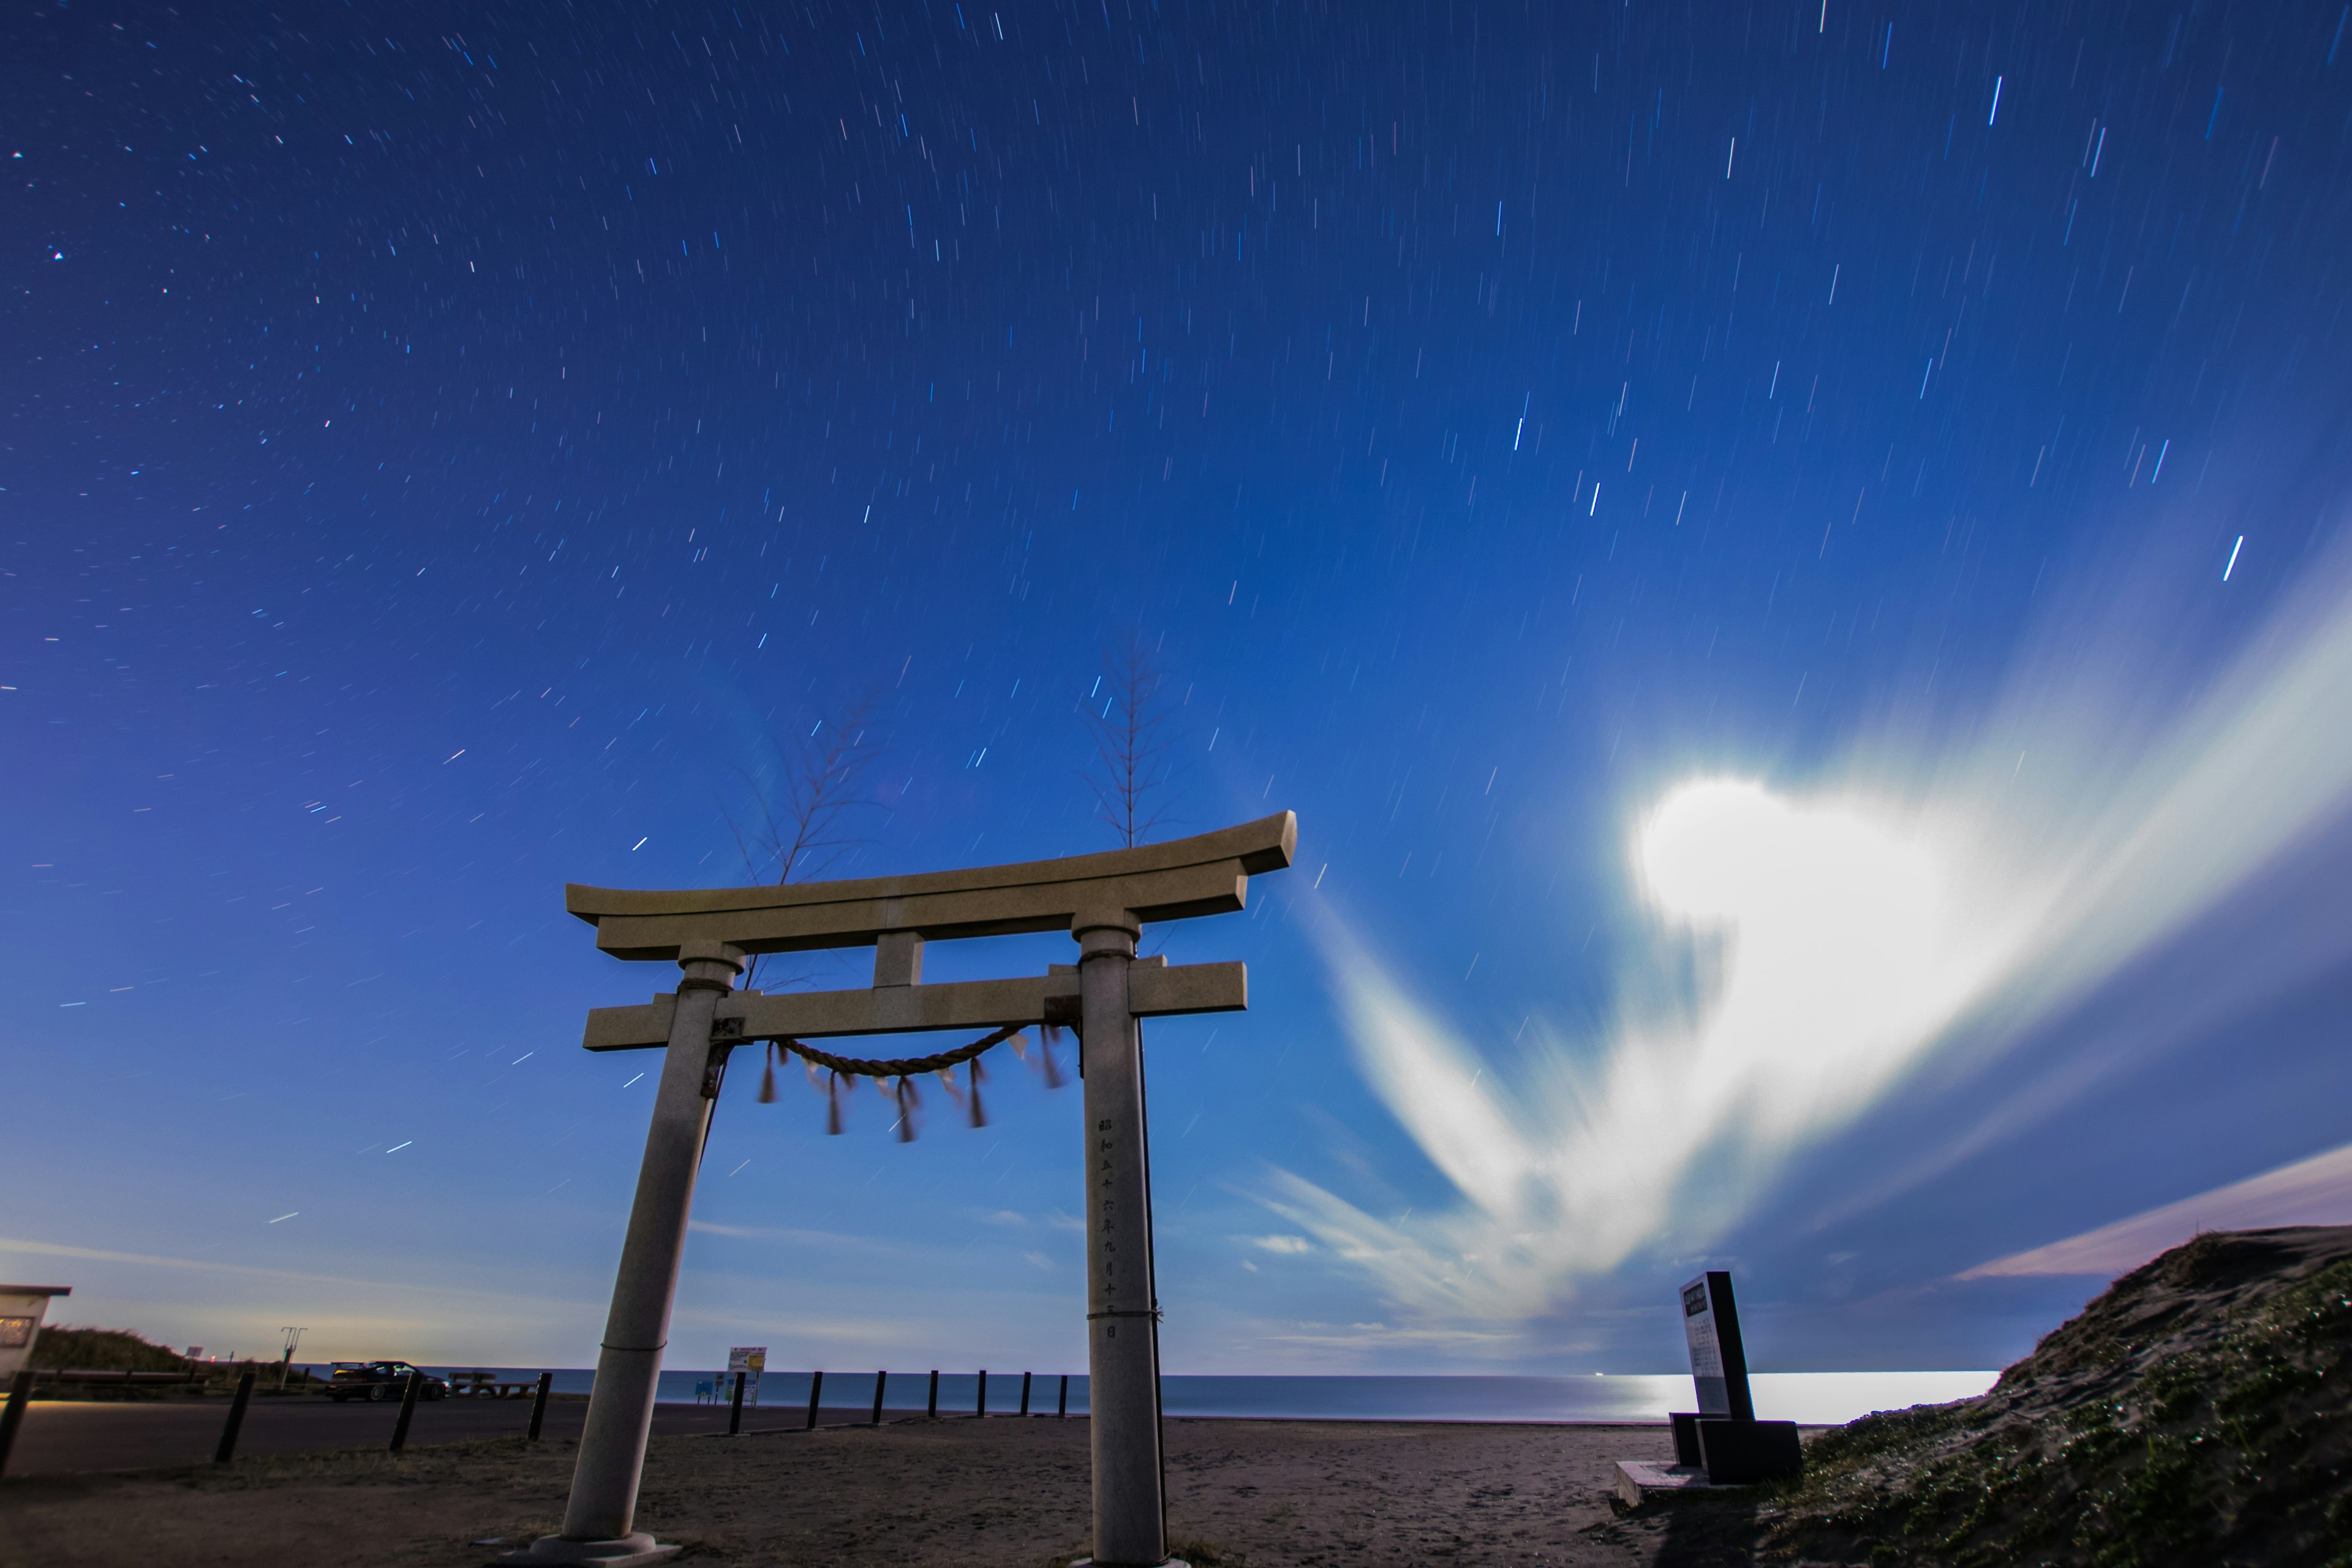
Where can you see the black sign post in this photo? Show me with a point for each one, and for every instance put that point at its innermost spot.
(1717, 1357)
(1723, 1436)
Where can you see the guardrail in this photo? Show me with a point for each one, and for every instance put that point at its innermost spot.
(106, 1377)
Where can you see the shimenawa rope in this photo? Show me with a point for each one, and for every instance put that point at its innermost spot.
(904, 1070)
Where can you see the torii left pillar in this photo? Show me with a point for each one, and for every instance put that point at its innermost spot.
(598, 1523)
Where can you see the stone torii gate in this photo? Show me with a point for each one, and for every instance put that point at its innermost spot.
(1102, 900)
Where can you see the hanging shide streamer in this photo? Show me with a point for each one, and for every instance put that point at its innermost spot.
(905, 1071)
(971, 1104)
(1046, 1034)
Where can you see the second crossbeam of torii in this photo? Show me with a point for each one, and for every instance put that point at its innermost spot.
(1102, 900)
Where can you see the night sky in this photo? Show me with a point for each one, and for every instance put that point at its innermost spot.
(451, 450)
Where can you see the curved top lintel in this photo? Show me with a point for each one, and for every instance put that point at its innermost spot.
(1205, 874)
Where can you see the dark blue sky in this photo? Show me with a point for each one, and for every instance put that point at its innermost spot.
(447, 443)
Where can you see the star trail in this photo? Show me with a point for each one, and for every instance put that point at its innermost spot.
(457, 450)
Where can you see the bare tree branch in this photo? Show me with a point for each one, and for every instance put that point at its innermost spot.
(1131, 769)
(804, 810)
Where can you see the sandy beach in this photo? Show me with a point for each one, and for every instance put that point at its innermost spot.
(909, 1493)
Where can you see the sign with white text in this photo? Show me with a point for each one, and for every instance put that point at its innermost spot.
(1718, 1361)
(749, 1360)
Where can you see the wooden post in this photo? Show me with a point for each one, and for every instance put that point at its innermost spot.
(980, 1405)
(1122, 1308)
(878, 1378)
(20, 1394)
(1061, 1408)
(539, 1405)
(735, 1410)
(933, 1409)
(228, 1449)
(817, 1389)
(408, 1398)
(1024, 1394)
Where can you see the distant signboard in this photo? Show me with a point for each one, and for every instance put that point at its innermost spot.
(1718, 1361)
(22, 1306)
(749, 1360)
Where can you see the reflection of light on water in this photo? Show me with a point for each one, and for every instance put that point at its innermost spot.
(1812, 1398)
(1808, 1398)
(1832, 1398)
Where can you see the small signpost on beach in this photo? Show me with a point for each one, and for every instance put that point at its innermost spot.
(749, 1360)
(1723, 1437)
(1104, 901)
(1721, 1443)
(1718, 1358)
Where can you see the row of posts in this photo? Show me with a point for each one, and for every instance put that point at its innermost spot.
(20, 1394)
(881, 1379)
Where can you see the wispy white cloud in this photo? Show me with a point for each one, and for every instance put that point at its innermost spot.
(209, 1300)
(1381, 1336)
(777, 1232)
(2317, 1191)
(1922, 902)
(10, 1245)
(1839, 946)
(1291, 1245)
(1051, 1219)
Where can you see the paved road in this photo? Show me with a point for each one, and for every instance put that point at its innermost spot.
(67, 1435)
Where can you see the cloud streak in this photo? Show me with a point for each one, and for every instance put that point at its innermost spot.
(2317, 1191)
(1917, 904)
(1837, 948)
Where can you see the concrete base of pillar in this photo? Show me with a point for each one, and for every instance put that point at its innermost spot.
(627, 1552)
(1089, 1562)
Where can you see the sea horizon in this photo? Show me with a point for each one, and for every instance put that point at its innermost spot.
(1812, 1398)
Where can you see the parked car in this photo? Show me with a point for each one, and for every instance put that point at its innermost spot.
(377, 1379)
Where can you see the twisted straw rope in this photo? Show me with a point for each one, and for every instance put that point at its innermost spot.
(897, 1067)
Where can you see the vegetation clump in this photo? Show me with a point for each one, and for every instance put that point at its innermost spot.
(60, 1348)
(2200, 1411)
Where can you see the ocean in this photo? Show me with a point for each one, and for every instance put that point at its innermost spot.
(1811, 1397)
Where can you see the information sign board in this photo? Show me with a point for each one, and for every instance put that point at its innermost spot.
(749, 1360)
(1718, 1361)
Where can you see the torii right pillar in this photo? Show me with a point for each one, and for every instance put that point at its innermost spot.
(1122, 1306)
